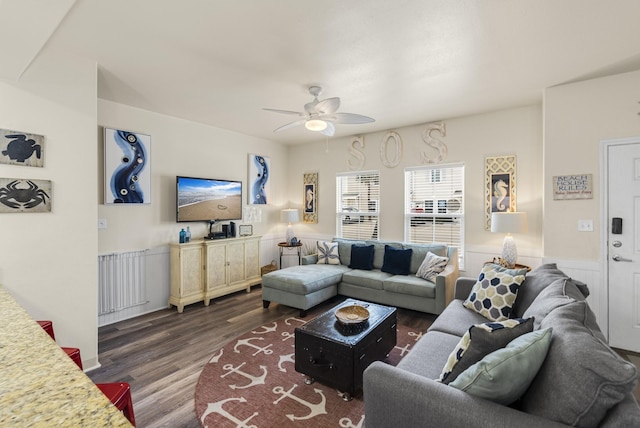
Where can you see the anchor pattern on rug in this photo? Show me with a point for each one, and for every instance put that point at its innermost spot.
(315, 409)
(259, 359)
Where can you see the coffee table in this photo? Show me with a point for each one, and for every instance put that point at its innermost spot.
(337, 354)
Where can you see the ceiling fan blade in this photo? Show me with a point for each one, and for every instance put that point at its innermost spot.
(329, 130)
(290, 125)
(297, 113)
(328, 106)
(351, 118)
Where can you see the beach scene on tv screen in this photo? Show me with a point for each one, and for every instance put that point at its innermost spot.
(200, 199)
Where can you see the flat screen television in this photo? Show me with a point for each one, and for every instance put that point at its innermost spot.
(208, 199)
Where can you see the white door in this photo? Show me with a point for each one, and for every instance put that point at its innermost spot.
(623, 248)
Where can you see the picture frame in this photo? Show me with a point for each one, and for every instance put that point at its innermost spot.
(310, 197)
(21, 148)
(500, 186)
(245, 230)
(23, 195)
(258, 180)
(127, 167)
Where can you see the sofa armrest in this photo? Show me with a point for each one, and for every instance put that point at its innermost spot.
(397, 398)
(310, 259)
(447, 278)
(463, 287)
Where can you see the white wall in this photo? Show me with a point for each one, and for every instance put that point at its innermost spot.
(577, 117)
(180, 147)
(469, 139)
(47, 260)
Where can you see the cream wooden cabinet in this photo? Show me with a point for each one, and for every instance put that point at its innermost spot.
(205, 269)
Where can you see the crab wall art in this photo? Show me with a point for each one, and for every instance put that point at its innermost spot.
(23, 195)
(21, 148)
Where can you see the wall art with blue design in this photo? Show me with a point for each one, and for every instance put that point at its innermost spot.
(127, 167)
(258, 180)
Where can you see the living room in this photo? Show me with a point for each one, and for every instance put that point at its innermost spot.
(49, 261)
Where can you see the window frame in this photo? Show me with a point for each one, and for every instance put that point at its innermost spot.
(363, 211)
(432, 206)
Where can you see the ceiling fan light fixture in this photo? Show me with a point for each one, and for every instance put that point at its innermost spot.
(315, 125)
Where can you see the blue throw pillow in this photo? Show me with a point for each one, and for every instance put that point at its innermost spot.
(361, 257)
(396, 261)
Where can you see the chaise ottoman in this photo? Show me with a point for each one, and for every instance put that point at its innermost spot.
(302, 286)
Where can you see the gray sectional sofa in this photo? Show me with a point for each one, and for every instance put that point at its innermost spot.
(309, 284)
(581, 381)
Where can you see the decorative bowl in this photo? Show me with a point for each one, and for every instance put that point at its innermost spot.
(352, 314)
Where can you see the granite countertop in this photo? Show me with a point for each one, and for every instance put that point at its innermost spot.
(40, 386)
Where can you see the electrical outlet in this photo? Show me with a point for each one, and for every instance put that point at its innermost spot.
(585, 225)
(102, 223)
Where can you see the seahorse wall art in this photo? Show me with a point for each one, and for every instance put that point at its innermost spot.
(258, 180)
(127, 159)
(21, 148)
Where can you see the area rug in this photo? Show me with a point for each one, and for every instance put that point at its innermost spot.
(252, 382)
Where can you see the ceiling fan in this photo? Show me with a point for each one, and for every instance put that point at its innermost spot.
(321, 116)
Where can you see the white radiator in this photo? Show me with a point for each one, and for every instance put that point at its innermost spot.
(121, 281)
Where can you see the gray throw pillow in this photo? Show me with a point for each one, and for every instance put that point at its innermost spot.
(536, 281)
(582, 377)
(559, 293)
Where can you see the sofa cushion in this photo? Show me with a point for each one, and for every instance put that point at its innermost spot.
(396, 260)
(582, 377)
(494, 293)
(431, 266)
(362, 257)
(373, 279)
(480, 340)
(456, 319)
(420, 251)
(410, 285)
(536, 281)
(427, 356)
(328, 253)
(505, 374)
(559, 293)
(344, 249)
(304, 279)
(378, 254)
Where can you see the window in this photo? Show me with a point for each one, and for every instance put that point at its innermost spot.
(434, 206)
(357, 204)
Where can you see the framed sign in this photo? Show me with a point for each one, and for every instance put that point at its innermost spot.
(245, 230)
(579, 186)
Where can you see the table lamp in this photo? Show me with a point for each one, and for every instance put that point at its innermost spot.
(509, 222)
(289, 216)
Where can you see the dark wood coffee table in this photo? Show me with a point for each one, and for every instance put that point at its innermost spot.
(337, 354)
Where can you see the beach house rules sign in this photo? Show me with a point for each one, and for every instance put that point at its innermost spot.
(579, 186)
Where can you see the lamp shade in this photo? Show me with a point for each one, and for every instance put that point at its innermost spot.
(289, 215)
(509, 222)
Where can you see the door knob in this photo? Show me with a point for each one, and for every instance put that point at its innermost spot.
(617, 258)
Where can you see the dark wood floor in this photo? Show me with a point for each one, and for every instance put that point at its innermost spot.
(161, 354)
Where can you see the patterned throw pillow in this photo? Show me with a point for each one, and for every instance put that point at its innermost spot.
(480, 340)
(505, 374)
(432, 266)
(494, 293)
(328, 253)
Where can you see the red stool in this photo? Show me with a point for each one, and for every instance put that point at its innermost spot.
(48, 327)
(119, 394)
(74, 354)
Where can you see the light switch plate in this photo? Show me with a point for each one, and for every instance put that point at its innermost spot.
(585, 225)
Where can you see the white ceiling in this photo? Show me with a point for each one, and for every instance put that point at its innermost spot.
(402, 62)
